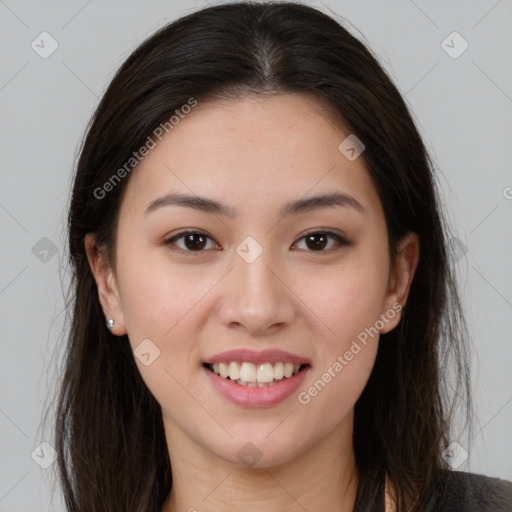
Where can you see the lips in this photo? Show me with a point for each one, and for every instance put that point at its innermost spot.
(256, 379)
(257, 358)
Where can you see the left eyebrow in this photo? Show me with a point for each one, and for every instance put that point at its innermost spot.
(212, 206)
(322, 201)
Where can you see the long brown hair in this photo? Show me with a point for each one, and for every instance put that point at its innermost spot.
(112, 452)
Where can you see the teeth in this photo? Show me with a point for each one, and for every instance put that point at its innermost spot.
(248, 372)
(250, 375)
(278, 371)
(223, 370)
(265, 373)
(234, 371)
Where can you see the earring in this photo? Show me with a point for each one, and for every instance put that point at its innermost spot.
(110, 324)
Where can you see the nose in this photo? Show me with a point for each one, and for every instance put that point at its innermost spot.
(256, 297)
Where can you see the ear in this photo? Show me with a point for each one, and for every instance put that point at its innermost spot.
(407, 257)
(108, 292)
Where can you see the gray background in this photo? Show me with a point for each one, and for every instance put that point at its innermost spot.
(463, 107)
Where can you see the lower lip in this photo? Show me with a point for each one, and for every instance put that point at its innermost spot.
(255, 396)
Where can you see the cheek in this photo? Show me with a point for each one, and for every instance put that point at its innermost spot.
(333, 390)
(159, 304)
(347, 298)
(345, 350)
(349, 305)
(155, 296)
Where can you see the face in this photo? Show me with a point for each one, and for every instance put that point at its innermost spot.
(257, 278)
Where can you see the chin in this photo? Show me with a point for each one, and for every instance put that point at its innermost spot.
(258, 452)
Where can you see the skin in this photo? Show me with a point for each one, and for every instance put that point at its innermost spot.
(254, 154)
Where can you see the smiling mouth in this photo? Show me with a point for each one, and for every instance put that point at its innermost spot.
(255, 375)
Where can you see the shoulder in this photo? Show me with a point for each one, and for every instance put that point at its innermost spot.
(457, 491)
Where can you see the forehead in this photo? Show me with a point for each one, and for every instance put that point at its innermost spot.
(261, 150)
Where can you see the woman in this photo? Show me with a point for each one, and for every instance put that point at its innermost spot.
(262, 288)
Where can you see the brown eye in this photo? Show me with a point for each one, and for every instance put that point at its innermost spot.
(192, 241)
(317, 241)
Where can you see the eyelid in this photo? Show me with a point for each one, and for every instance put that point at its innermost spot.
(325, 231)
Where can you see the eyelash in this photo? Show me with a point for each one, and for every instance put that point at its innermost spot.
(340, 240)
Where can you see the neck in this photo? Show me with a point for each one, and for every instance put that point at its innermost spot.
(322, 478)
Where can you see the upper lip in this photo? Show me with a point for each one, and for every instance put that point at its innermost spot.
(254, 357)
